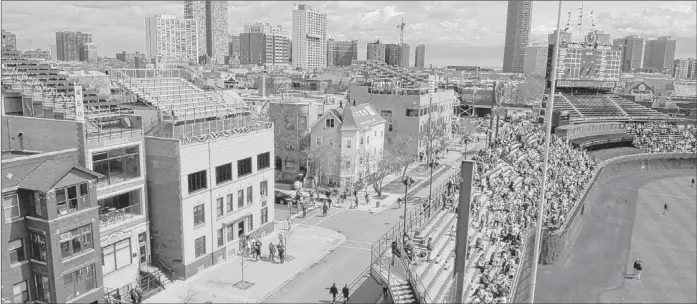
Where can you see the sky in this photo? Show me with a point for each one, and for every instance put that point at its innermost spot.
(454, 32)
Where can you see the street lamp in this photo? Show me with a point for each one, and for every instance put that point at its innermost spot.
(431, 92)
(407, 181)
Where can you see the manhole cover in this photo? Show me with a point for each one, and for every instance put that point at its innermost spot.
(244, 285)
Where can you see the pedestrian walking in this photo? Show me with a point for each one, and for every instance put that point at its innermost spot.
(290, 223)
(282, 253)
(665, 207)
(637, 269)
(333, 291)
(384, 289)
(693, 182)
(367, 198)
(325, 208)
(429, 248)
(257, 249)
(304, 210)
(356, 202)
(345, 292)
(399, 202)
(272, 252)
(136, 295)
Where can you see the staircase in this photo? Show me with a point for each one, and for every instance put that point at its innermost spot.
(612, 100)
(156, 273)
(402, 292)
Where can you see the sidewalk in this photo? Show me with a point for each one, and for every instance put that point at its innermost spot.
(305, 246)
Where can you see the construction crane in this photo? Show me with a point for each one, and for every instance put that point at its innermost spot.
(401, 27)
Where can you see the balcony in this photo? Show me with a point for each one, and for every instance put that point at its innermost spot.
(120, 208)
(117, 166)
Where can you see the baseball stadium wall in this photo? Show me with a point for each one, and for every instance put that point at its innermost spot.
(557, 243)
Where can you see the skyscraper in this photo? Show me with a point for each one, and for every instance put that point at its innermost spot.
(603, 38)
(234, 47)
(89, 52)
(632, 52)
(420, 56)
(684, 68)
(404, 51)
(276, 39)
(341, 53)
(309, 38)
(253, 48)
(70, 45)
(376, 51)
(392, 54)
(170, 39)
(212, 18)
(9, 40)
(517, 35)
(659, 54)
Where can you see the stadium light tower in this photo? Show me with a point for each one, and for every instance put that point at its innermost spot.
(543, 193)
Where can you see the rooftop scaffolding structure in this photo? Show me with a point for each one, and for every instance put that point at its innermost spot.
(186, 111)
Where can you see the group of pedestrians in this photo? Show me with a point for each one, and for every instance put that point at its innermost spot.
(334, 291)
(252, 248)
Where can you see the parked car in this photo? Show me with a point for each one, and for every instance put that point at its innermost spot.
(281, 197)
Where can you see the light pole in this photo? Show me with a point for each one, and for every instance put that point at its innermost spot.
(548, 121)
(431, 92)
(407, 181)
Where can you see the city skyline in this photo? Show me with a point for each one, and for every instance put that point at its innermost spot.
(460, 41)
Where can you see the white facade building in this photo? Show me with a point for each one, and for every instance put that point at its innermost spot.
(309, 38)
(168, 38)
(267, 29)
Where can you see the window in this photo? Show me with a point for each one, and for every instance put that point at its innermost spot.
(43, 288)
(79, 282)
(117, 165)
(16, 249)
(220, 206)
(199, 216)
(264, 215)
(221, 241)
(240, 198)
(386, 113)
(302, 122)
(250, 223)
(318, 141)
(10, 204)
(250, 195)
(67, 198)
(76, 240)
(197, 181)
(20, 292)
(223, 173)
(116, 256)
(348, 164)
(264, 188)
(37, 246)
(244, 167)
(348, 144)
(263, 160)
(329, 123)
(279, 163)
(230, 233)
(412, 113)
(361, 140)
(230, 202)
(200, 244)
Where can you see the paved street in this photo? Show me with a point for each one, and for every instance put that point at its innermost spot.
(347, 263)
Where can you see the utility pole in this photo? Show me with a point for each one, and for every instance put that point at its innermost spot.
(543, 193)
(431, 92)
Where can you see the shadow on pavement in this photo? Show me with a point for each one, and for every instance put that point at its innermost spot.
(369, 292)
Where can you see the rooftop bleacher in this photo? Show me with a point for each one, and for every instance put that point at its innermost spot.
(188, 112)
(603, 107)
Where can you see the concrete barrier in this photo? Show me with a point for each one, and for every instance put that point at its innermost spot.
(557, 243)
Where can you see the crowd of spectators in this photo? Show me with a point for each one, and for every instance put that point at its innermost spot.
(660, 138)
(505, 206)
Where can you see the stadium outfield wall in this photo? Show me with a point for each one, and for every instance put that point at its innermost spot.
(557, 243)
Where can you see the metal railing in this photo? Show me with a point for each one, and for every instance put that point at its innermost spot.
(417, 286)
(120, 215)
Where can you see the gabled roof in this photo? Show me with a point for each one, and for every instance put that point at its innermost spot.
(41, 176)
(333, 113)
(361, 116)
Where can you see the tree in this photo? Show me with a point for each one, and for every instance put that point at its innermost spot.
(377, 167)
(466, 131)
(436, 137)
(322, 160)
(400, 153)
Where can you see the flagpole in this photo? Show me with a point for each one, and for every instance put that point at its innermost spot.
(548, 126)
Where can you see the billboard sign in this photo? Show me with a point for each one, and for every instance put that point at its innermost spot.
(79, 105)
(586, 84)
